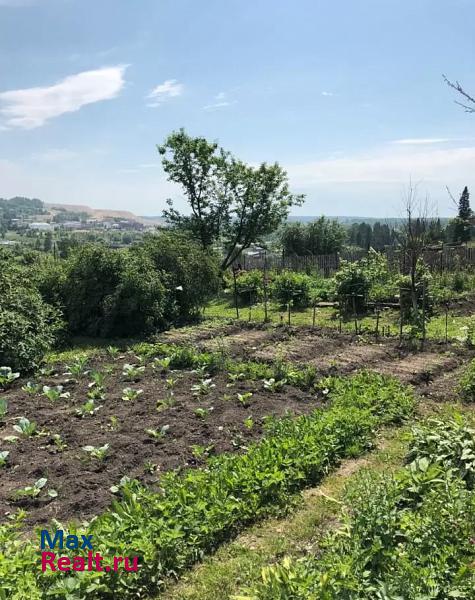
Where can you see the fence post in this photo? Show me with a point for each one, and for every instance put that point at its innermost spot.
(235, 294)
(423, 314)
(400, 316)
(354, 314)
(266, 318)
(446, 323)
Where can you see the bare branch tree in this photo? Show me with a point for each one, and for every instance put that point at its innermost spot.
(415, 234)
(454, 200)
(470, 107)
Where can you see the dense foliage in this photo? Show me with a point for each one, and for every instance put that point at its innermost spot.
(294, 288)
(323, 236)
(28, 325)
(405, 536)
(231, 202)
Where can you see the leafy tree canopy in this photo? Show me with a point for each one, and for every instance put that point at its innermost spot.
(231, 202)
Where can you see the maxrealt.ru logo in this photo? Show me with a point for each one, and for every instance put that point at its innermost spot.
(92, 561)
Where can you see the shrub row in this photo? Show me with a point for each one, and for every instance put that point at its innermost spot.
(196, 510)
(100, 291)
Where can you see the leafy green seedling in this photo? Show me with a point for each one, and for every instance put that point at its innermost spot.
(89, 408)
(7, 376)
(167, 402)
(3, 457)
(245, 398)
(202, 413)
(158, 434)
(129, 395)
(59, 442)
(113, 352)
(97, 452)
(201, 452)
(249, 422)
(3, 407)
(202, 388)
(115, 489)
(132, 372)
(78, 367)
(33, 491)
(273, 385)
(55, 393)
(162, 363)
(31, 388)
(26, 427)
(233, 377)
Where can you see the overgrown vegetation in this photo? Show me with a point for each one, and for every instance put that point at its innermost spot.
(404, 536)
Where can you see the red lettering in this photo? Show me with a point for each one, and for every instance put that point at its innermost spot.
(135, 564)
(117, 560)
(64, 563)
(98, 558)
(47, 558)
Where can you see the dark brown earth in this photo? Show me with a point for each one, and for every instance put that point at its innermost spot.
(83, 483)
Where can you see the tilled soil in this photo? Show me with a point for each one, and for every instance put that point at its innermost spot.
(83, 483)
(226, 424)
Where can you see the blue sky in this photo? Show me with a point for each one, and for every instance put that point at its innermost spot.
(347, 95)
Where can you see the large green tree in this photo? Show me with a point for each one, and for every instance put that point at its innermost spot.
(461, 226)
(231, 203)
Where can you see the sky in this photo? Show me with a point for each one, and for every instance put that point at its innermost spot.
(347, 95)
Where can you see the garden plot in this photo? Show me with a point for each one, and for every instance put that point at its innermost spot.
(137, 426)
(85, 426)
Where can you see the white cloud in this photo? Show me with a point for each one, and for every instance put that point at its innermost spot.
(389, 165)
(421, 141)
(33, 107)
(221, 101)
(168, 89)
(327, 94)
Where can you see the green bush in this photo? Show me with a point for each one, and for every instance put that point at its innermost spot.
(192, 274)
(107, 292)
(28, 326)
(249, 286)
(291, 287)
(367, 279)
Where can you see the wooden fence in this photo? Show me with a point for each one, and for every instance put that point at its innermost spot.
(445, 259)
